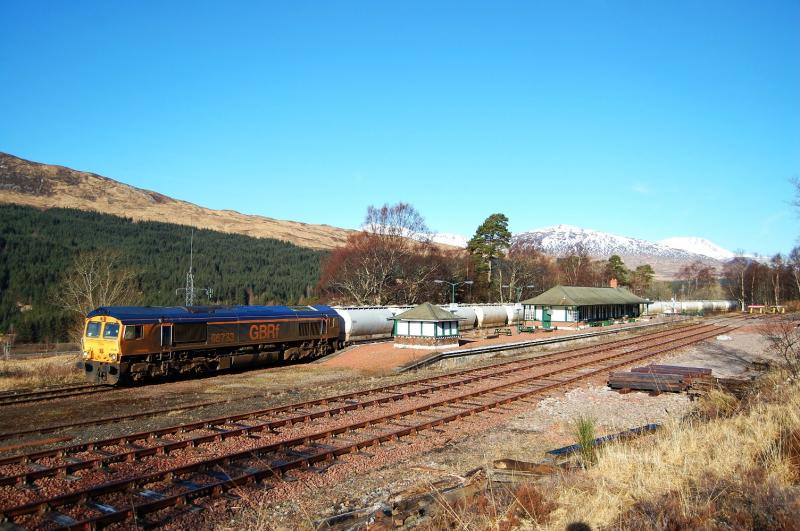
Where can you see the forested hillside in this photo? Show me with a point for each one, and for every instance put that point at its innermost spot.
(38, 246)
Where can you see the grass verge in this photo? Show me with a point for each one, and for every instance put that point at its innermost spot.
(36, 373)
(730, 464)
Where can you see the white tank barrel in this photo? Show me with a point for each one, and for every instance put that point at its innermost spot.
(514, 313)
(468, 313)
(491, 316)
(658, 307)
(367, 323)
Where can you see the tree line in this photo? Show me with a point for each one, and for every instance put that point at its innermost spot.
(41, 249)
(769, 282)
(395, 261)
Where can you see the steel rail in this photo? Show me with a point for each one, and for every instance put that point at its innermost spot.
(127, 484)
(479, 373)
(489, 349)
(476, 351)
(119, 418)
(133, 454)
(52, 394)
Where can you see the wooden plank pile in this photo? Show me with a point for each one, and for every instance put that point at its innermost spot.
(658, 378)
(738, 387)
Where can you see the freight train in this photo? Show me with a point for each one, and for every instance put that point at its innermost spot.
(134, 344)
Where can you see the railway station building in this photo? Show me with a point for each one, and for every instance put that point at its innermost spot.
(426, 326)
(571, 305)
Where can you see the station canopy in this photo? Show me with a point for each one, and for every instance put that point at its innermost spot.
(584, 296)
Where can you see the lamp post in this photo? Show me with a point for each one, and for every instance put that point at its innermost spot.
(519, 289)
(453, 286)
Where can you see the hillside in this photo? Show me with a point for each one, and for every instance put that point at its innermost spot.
(38, 246)
(24, 182)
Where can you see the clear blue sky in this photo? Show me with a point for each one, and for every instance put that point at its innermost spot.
(642, 118)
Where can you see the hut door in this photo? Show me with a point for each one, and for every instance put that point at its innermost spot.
(546, 313)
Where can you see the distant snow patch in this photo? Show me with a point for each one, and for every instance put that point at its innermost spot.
(697, 245)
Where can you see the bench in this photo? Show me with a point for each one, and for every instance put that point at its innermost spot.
(504, 331)
(528, 329)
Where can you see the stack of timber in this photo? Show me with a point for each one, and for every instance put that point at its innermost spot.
(658, 378)
(687, 372)
(737, 387)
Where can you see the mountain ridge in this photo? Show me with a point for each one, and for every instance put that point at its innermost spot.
(46, 186)
(562, 240)
(30, 183)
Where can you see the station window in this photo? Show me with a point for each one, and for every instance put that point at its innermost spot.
(110, 331)
(133, 331)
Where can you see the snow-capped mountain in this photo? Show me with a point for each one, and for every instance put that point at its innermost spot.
(456, 240)
(566, 239)
(561, 240)
(698, 246)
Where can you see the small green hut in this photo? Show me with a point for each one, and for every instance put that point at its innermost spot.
(426, 326)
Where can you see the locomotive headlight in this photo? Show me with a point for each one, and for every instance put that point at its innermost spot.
(113, 356)
(85, 354)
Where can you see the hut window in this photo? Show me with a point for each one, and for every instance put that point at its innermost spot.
(415, 328)
(402, 328)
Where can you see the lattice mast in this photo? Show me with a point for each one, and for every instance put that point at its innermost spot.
(189, 290)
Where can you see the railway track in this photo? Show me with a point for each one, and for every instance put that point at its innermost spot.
(574, 351)
(143, 474)
(24, 397)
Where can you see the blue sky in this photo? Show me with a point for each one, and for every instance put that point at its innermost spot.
(647, 119)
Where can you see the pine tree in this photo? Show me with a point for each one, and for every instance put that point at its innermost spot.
(491, 241)
(615, 268)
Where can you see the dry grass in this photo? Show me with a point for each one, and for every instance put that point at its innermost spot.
(708, 471)
(36, 373)
(499, 507)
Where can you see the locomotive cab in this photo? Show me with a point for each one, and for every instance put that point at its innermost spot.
(101, 346)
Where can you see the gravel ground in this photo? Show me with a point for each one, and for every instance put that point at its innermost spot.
(523, 431)
(526, 432)
(273, 386)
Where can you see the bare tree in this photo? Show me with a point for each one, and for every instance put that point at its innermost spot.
(391, 261)
(95, 279)
(527, 265)
(575, 268)
(400, 221)
(794, 267)
(699, 279)
(735, 272)
(783, 339)
(776, 271)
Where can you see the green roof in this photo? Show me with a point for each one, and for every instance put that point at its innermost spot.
(582, 296)
(426, 312)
